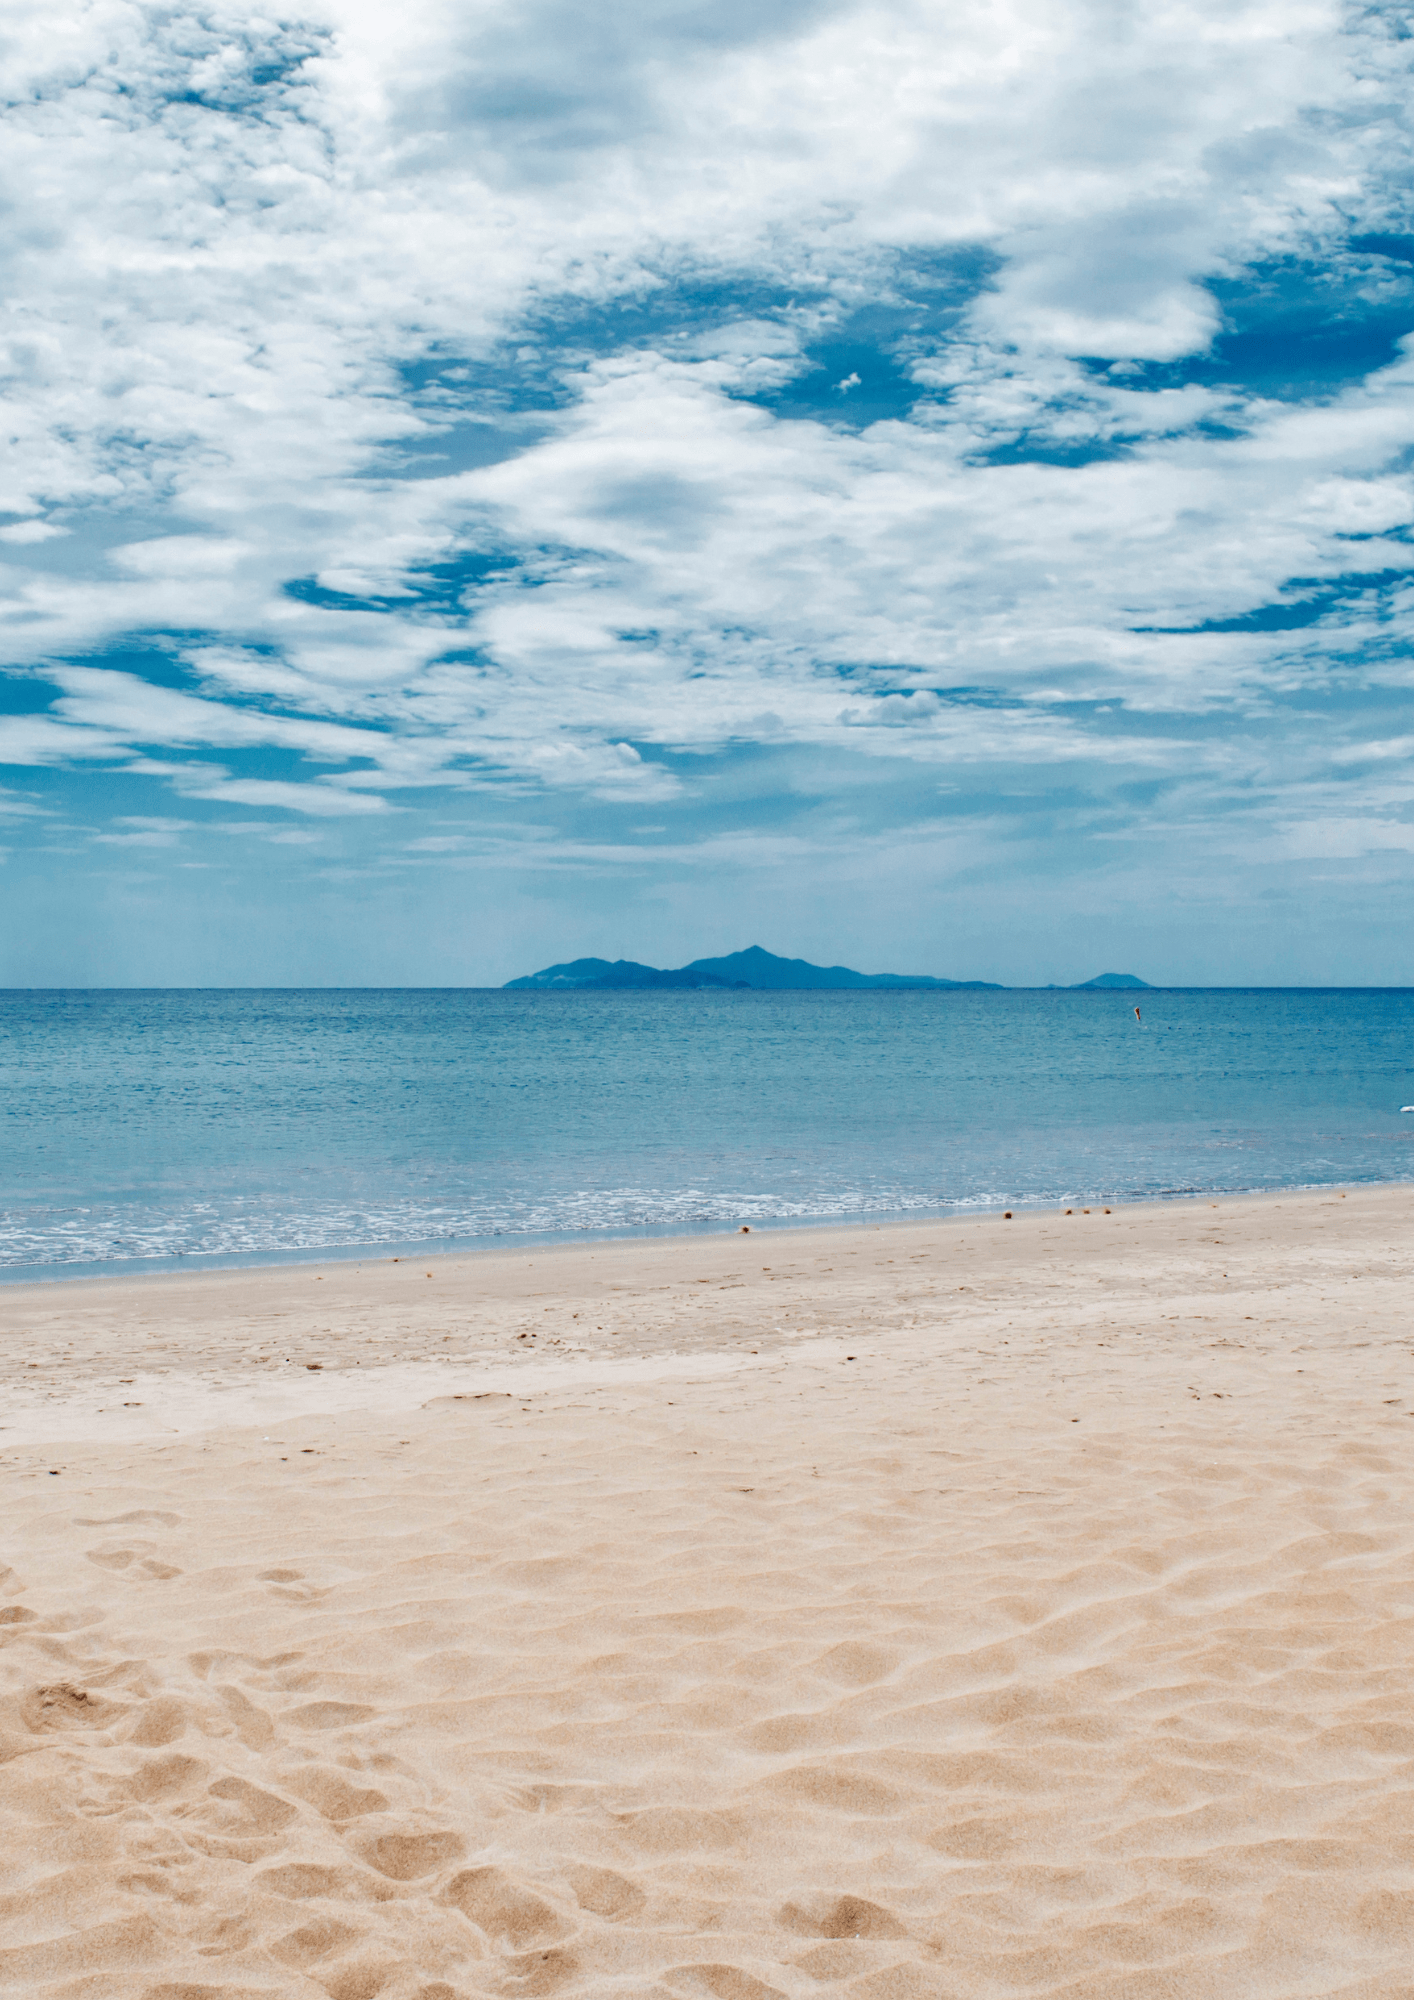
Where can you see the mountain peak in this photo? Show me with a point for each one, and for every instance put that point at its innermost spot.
(755, 967)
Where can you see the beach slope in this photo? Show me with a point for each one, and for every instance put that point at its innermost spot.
(946, 1610)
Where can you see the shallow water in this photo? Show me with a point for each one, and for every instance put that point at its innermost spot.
(225, 1126)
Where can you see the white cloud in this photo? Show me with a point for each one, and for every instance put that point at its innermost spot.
(144, 830)
(318, 801)
(181, 556)
(24, 533)
(240, 241)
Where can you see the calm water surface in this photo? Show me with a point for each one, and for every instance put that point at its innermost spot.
(231, 1125)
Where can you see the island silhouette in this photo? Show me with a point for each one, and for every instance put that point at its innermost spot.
(754, 970)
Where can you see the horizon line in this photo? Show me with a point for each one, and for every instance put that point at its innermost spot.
(731, 992)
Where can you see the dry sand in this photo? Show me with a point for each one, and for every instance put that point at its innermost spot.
(999, 1609)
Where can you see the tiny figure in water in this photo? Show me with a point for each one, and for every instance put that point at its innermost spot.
(1139, 1017)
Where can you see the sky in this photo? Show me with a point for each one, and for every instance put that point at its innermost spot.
(926, 487)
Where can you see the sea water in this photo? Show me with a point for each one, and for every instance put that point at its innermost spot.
(142, 1129)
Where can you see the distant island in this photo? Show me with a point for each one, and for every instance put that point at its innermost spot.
(759, 971)
(753, 970)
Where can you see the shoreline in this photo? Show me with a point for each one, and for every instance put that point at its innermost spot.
(200, 1263)
(170, 1353)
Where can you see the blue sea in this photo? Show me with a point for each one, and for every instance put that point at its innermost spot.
(152, 1129)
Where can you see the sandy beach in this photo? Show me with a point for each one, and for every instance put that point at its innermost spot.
(947, 1609)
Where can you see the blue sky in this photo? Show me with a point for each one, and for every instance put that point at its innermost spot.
(923, 488)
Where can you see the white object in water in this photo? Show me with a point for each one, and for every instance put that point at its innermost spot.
(1407, 1107)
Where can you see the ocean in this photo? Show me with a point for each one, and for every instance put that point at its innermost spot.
(143, 1130)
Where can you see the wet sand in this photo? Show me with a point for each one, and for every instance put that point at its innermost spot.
(951, 1610)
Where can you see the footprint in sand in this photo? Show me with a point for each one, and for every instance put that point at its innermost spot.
(301, 1880)
(499, 1906)
(63, 1706)
(407, 1857)
(252, 1724)
(165, 1778)
(841, 1917)
(331, 1794)
(250, 1809)
(604, 1893)
(147, 1565)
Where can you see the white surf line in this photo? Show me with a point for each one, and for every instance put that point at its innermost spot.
(177, 1405)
